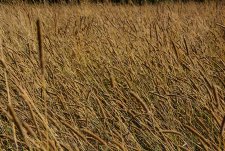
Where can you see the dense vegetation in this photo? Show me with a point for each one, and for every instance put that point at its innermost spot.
(104, 77)
(139, 2)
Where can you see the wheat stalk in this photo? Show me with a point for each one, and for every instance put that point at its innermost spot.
(18, 124)
(94, 136)
(8, 92)
(140, 100)
(205, 140)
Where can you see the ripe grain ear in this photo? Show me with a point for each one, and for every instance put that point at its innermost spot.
(41, 57)
(40, 48)
(42, 67)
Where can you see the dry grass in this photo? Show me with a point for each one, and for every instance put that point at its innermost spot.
(114, 77)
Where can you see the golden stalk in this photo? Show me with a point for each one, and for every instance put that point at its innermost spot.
(186, 46)
(8, 92)
(222, 128)
(175, 50)
(141, 101)
(206, 141)
(18, 124)
(171, 131)
(119, 144)
(95, 136)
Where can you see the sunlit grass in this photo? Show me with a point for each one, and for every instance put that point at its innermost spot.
(117, 77)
